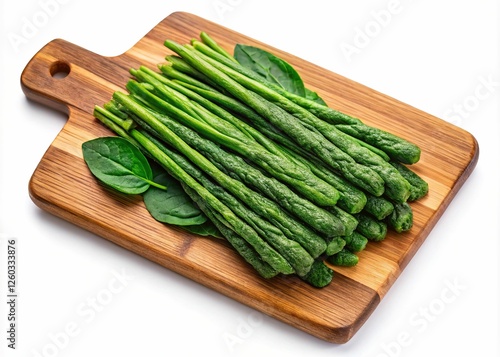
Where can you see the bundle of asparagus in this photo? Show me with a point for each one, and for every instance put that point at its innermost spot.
(287, 180)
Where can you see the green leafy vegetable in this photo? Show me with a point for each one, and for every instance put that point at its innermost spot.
(270, 67)
(172, 206)
(301, 132)
(344, 149)
(274, 70)
(252, 156)
(313, 96)
(205, 229)
(119, 164)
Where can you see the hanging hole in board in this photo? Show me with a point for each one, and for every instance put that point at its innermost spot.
(59, 69)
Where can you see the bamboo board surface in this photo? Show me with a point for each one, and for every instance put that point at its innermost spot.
(62, 184)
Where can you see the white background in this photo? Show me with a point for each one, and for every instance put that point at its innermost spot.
(433, 55)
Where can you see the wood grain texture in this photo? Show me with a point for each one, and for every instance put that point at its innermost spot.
(63, 185)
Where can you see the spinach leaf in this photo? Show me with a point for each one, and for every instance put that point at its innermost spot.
(119, 164)
(275, 70)
(315, 97)
(172, 206)
(270, 67)
(205, 229)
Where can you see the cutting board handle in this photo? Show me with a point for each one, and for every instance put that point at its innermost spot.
(64, 76)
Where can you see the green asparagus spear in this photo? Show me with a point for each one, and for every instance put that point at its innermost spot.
(396, 147)
(401, 219)
(349, 221)
(304, 136)
(335, 246)
(304, 181)
(268, 254)
(371, 228)
(207, 40)
(293, 252)
(397, 188)
(239, 244)
(314, 244)
(178, 68)
(320, 275)
(317, 217)
(303, 209)
(344, 258)
(419, 187)
(119, 126)
(378, 207)
(355, 242)
(351, 199)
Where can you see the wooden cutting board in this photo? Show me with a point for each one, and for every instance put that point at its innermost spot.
(62, 184)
